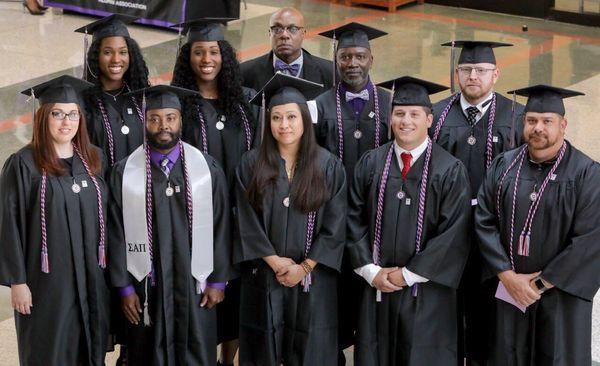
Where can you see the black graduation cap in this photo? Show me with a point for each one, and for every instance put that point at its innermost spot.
(163, 96)
(474, 52)
(63, 89)
(204, 29)
(114, 25)
(412, 91)
(353, 35)
(545, 98)
(283, 89)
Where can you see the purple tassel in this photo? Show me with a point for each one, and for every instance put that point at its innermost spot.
(306, 282)
(45, 263)
(101, 257)
(415, 290)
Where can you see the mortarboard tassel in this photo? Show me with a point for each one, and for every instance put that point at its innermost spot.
(179, 37)
(334, 59)
(262, 116)
(391, 108)
(415, 290)
(378, 296)
(452, 58)
(513, 122)
(85, 58)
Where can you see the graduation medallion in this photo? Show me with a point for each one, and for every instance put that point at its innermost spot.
(471, 140)
(76, 188)
(400, 195)
(124, 130)
(357, 134)
(220, 125)
(286, 202)
(533, 196)
(169, 191)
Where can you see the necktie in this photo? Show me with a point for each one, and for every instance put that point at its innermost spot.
(406, 158)
(364, 95)
(164, 166)
(471, 114)
(285, 68)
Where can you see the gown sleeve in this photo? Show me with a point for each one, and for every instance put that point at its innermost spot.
(575, 269)
(444, 256)
(117, 251)
(328, 245)
(14, 183)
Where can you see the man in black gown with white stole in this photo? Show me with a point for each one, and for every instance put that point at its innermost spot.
(539, 233)
(170, 244)
(475, 125)
(408, 223)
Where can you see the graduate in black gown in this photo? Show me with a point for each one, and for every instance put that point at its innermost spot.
(291, 202)
(352, 119)
(407, 237)
(52, 234)
(286, 33)
(475, 125)
(539, 233)
(221, 123)
(114, 63)
(170, 240)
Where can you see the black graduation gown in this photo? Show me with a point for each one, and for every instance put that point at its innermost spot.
(474, 298)
(280, 324)
(227, 146)
(69, 319)
(327, 132)
(258, 71)
(182, 332)
(402, 329)
(556, 330)
(128, 115)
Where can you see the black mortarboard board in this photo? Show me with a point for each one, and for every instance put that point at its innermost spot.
(163, 96)
(545, 98)
(353, 35)
(474, 52)
(283, 89)
(114, 25)
(204, 29)
(63, 89)
(412, 91)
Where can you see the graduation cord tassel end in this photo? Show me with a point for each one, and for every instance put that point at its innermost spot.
(45, 263)
(378, 296)
(306, 282)
(310, 229)
(524, 241)
(147, 321)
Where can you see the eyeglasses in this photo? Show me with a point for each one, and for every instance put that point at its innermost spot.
(60, 115)
(479, 71)
(276, 29)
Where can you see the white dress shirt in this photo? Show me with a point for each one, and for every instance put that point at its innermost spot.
(369, 271)
(482, 107)
(299, 61)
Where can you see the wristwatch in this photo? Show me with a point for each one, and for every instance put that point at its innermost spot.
(539, 284)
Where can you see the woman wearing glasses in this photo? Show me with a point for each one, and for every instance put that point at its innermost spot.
(115, 65)
(52, 235)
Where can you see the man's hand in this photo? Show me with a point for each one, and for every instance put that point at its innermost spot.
(277, 263)
(397, 278)
(131, 308)
(290, 276)
(21, 298)
(211, 297)
(382, 282)
(519, 287)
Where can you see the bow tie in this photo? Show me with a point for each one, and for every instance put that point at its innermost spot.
(289, 69)
(364, 95)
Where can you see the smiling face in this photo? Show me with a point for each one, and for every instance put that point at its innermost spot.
(164, 128)
(63, 130)
(476, 86)
(354, 64)
(113, 61)
(206, 60)
(287, 124)
(410, 124)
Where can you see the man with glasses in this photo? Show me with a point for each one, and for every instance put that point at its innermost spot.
(475, 125)
(286, 31)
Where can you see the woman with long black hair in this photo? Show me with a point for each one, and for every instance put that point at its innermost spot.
(114, 63)
(52, 234)
(218, 122)
(291, 202)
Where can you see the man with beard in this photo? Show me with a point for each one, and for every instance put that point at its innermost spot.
(538, 226)
(170, 245)
(352, 119)
(286, 30)
(475, 125)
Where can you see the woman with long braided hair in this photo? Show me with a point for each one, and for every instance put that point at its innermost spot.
(291, 201)
(221, 123)
(52, 234)
(114, 63)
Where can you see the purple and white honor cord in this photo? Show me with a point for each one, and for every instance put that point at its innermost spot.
(310, 229)
(245, 125)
